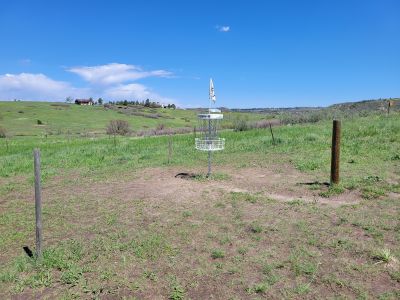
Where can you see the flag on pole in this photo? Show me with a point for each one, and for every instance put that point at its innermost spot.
(212, 92)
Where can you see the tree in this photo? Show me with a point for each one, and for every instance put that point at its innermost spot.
(69, 99)
(100, 101)
(147, 103)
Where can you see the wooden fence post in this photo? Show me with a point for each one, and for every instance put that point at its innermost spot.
(389, 104)
(38, 203)
(169, 149)
(270, 128)
(335, 158)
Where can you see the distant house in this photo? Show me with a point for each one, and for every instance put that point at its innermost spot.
(84, 101)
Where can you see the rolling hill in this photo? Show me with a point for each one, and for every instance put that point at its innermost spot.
(22, 118)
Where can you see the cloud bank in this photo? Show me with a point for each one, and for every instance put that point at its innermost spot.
(29, 86)
(111, 81)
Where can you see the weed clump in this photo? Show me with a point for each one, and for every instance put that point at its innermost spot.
(371, 192)
(395, 157)
(259, 288)
(217, 253)
(383, 256)
(177, 293)
(333, 190)
(3, 133)
(256, 228)
(243, 196)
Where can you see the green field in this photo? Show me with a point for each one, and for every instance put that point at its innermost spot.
(21, 118)
(119, 224)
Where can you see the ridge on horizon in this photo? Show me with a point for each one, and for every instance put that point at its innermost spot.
(249, 108)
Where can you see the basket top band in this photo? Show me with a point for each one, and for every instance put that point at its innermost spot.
(210, 145)
(210, 116)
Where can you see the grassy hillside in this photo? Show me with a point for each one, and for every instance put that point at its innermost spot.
(369, 139)
(295, 115)
(369, 105)
(21, 118)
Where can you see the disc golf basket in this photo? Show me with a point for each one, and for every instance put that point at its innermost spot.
(209, 124)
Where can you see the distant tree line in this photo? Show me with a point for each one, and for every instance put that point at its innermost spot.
(146, 103)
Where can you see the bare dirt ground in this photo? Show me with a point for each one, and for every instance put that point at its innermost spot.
(279, 238)
(283, 183)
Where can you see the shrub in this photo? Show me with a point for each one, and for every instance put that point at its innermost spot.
(240, 124)
(39, 122)
(3, 133)
(160, 127)
(261, 124)
(118, 127)
(165, 131)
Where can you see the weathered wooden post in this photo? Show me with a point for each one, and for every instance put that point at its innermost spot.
(390, 103)
(335, 159)
(38, 203)
(272, 134)
(169, 148)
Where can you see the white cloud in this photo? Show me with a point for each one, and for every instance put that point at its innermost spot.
(223, 28)
(29, 86)
(128, 91)
(134, 91)
(115, 73)
(112, 82)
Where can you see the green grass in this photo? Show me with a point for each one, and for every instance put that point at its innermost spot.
(21, 118)
(45, 118)
(104, 241)
(100, 153)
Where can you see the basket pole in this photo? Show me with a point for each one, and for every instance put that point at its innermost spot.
(209, 164)
(209, 151)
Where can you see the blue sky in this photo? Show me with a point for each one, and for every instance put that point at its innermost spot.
(259, 53)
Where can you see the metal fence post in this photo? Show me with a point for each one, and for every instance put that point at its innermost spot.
(38, 203)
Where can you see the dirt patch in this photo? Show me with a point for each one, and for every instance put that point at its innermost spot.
(279, 183)
(282, 183)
